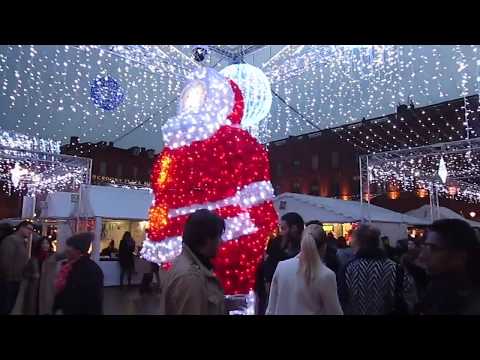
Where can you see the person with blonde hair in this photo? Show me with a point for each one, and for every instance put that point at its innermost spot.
(304, 285)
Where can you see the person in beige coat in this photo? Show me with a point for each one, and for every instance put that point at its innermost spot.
(191, 288)
(37, 292)
(13, 258)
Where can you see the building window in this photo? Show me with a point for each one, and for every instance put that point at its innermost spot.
(335, 189)
(135, 172)
(119, 170)
(315, 162)
(296, 187)
(335, 159)
(279, 169)
(103, 168)
(314, 190)
(277, 189)
(296, 163)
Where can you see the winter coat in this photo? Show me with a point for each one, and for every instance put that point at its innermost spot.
(275, 254)
(450, 295)
(290, 294)
(83, 292)
(191, 288)
(125, 254)
(39, 286)
(13, 257)
(367, 286)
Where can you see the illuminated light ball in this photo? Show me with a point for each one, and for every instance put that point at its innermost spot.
(256, 92)
(106, 93)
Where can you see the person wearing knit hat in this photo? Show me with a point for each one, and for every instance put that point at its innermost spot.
(81, 242)
(79, 285)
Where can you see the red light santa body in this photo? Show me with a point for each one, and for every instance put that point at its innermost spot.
(210, 162)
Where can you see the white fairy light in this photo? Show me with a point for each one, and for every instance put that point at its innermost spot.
(442, 170)
(16, 174)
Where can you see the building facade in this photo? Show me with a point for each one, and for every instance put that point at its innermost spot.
(326, 162)
(112, 165)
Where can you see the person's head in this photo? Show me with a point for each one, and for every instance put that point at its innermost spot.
(43, 245)
(24, 229)
(127, 236)
(203, 231)
(342, 242)
(291, 227)
(313, 248)
(111, 244)
(78, 245)
(367, 237)
(448, 246)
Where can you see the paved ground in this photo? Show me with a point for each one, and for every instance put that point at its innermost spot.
(130, 302)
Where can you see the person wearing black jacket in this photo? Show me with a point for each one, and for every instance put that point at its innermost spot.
(284, 247)
(126, 257)
(451, 253)
(79, 285)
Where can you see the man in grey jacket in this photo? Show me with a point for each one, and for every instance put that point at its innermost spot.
(13, 258)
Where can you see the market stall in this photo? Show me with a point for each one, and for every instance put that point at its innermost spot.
(339, 216)
(108, 212)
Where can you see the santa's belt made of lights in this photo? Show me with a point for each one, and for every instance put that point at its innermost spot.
(171, 247)
(236, 226)
(246, 197)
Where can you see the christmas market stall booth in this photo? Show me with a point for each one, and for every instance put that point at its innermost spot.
(341, 216)
(108, 212)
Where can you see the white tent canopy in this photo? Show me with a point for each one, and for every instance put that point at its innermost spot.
(100, 201)
(327, 210)
(423, 212)
(339, 211)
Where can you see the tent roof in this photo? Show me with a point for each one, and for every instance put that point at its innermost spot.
(423, 212)
(339, 211)
(115, 203)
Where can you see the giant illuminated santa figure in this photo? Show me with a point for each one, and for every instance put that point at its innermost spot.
(210, 162)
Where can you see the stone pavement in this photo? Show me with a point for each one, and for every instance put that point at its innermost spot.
(129, 302)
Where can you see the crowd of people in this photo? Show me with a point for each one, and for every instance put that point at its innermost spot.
(436, 274)
(304, 271)
(33, 285)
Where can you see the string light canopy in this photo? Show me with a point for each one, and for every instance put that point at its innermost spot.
(45, 90)
(452, 169)
(31, 165)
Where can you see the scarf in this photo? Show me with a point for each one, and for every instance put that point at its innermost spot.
(62, 277)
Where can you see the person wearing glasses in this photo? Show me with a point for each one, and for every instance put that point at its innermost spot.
(13, 258)
(451, 256)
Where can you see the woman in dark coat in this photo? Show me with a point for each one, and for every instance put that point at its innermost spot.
(126, 257)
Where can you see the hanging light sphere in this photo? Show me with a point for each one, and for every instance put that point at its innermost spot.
(256, 92)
